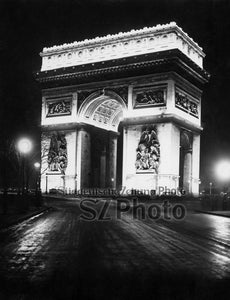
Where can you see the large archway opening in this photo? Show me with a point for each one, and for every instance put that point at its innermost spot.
(185, 164)
(101, 116)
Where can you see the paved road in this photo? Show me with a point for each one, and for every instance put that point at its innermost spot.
(60, 256)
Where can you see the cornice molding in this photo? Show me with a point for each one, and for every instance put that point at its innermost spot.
(170, 58)
(147, 40)
(162, 118)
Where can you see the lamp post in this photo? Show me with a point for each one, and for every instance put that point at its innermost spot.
(210, 188)
(37, 168)
(24, 146)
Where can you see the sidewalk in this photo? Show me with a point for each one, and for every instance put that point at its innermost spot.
(14, 209)
(220, 213)
(10, 219)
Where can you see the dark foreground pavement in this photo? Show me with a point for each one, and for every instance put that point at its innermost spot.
(59, 256)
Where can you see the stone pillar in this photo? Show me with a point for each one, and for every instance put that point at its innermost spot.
(111, 161)
(83, 158)
(124, 160)
(103, 169)
(169, 139)
(195, 164)
(188, 171)
(70, 173)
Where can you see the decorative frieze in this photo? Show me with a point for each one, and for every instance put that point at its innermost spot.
(122, 92)
(132, 43)
(150, 96)
(185, 102)
(58, 106)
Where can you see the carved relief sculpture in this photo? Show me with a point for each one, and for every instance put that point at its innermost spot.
(122, 92)
(183, 102)
(57, 156)
(150, 98)
(148, 151)
(59, 108)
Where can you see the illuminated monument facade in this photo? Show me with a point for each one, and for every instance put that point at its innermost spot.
(123, 110)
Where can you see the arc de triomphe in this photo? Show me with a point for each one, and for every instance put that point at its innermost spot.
(123, 110)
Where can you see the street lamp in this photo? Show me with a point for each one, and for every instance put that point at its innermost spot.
(37, 168)
(210, 188)
(24, 146)
(37, 165)
(223, 170)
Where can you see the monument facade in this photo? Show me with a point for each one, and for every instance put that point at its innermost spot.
(123, 110)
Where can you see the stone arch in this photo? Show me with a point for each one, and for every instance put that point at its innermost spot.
(104, 109)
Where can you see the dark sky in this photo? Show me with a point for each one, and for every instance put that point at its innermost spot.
(26, 26)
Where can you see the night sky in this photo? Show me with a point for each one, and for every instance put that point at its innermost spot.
(26, 26)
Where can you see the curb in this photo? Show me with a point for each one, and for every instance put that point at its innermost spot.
(61, 198)
(22, 219)
(212, 213)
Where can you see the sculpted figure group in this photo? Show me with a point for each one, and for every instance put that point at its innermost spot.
(148, 151)
(57, 156)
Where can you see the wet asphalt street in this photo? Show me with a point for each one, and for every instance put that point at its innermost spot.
(57, 255)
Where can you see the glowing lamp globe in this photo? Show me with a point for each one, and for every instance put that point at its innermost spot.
(24, 145)
(223, 170)
(37, 165)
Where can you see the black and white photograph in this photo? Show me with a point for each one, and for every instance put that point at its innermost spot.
(114, 149)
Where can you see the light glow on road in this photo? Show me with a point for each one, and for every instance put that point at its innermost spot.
(223, 170)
